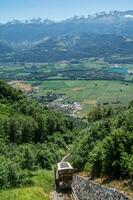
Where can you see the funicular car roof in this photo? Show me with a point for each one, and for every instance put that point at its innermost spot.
(64, 165)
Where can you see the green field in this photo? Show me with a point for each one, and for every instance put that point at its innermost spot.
(89, 93)
(71, 79)
(92, 69)
(43, 185)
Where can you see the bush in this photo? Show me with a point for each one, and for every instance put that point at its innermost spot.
(113, 148)
(28, 159)
(94, 163)
(127, 164)
(14, 174)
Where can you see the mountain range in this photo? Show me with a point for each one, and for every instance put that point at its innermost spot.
(114, 22)
(104, 35)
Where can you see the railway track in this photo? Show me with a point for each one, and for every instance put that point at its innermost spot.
(65, 195)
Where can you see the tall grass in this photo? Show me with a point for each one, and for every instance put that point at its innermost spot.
(43, 185)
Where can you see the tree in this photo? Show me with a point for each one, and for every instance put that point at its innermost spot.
(113, 148)
(14, 174)
(44, 159)
(28, 160)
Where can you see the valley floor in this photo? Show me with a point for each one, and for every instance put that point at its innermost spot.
(87, 93)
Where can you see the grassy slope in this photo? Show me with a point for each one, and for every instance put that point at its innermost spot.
(43, 185)
(34, 193)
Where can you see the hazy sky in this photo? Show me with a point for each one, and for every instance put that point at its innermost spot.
(57, 9)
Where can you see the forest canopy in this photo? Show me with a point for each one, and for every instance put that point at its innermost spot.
(105, 148)
(31, 137)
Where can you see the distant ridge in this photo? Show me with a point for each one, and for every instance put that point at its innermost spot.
(107, 35)
(115, 13)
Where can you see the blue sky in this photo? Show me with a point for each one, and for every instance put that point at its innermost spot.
(57, 9)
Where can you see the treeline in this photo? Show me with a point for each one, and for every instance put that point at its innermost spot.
(105, 148)
(31, 137)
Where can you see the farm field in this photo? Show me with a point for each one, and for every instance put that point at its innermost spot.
(87, 82)
(84, 69)
(89, 93)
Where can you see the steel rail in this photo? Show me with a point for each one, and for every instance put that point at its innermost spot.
(65, 195)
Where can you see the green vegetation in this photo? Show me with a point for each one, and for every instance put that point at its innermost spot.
(89, 93)
(31, 193)
(32, 137)
(73, 72)
(87, 81)
(83, 69)
(106, 147)
(43, 184)
(45, 180)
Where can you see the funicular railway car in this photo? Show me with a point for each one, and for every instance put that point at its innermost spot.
(63, 175)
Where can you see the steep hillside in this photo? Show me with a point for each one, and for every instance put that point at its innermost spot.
(105, 149)
(112, 48)
(32, 137)
(4, 48)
